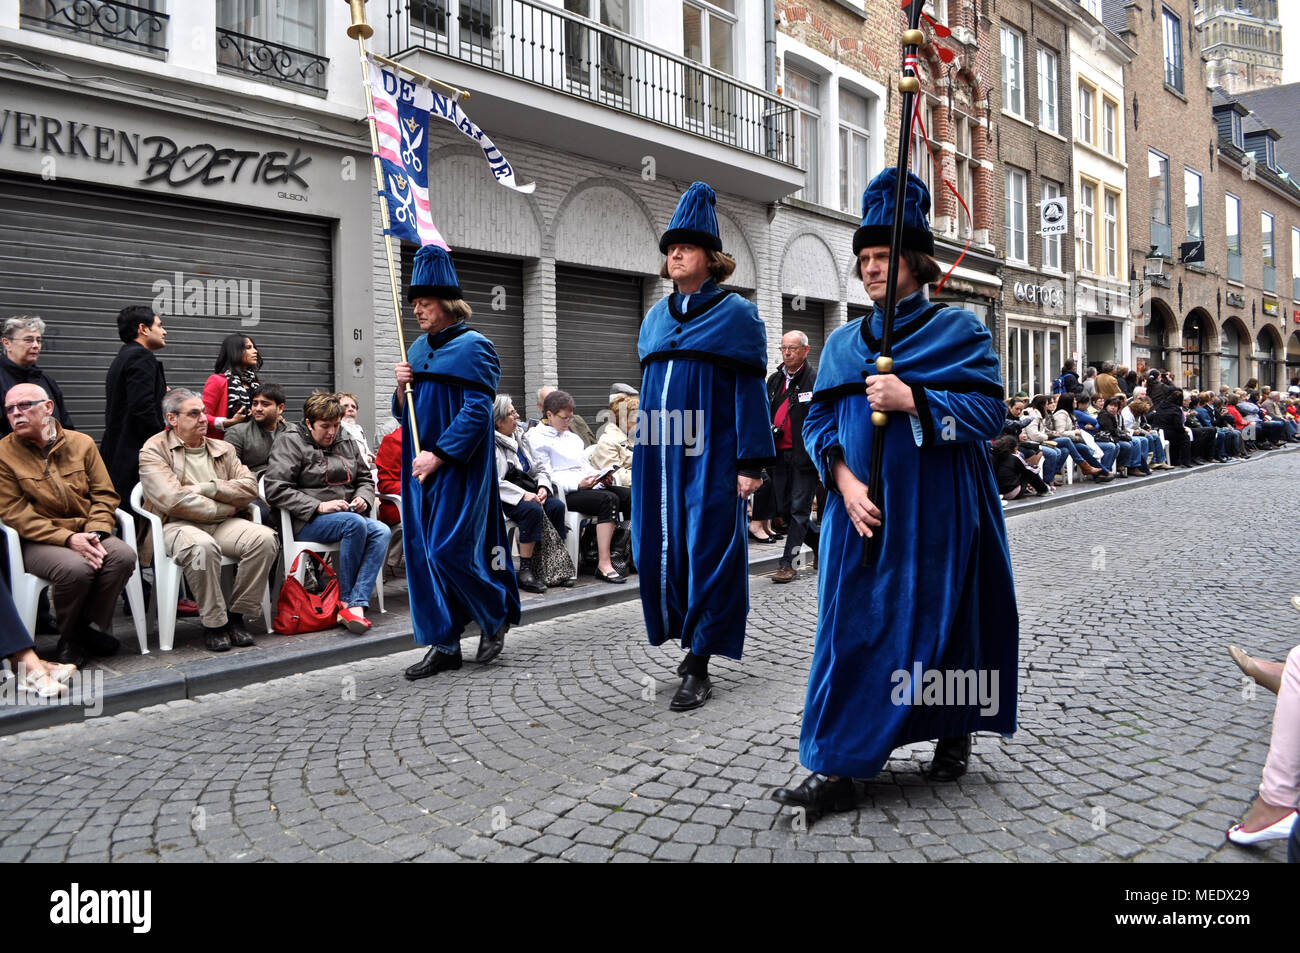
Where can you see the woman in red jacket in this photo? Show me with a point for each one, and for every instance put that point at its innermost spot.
(388, 461)
(228, 394)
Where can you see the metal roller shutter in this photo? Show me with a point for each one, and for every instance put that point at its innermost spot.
(76, 254)
(811, 321)
(487, 282)
(598, 318)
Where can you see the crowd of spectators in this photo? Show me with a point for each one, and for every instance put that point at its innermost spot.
(1110, 425)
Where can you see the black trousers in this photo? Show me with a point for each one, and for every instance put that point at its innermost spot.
(762, 505)
(1171, 421)
(604, 503)
(528, 517)
(13, 634)
(795, 487)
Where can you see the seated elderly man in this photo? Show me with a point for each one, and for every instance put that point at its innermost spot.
(22, 338)
(200, 489)
(56, 493)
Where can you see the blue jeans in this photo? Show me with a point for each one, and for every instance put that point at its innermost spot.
(1066, 444)
(361, 555)
(1053, 460)
(1109, 451)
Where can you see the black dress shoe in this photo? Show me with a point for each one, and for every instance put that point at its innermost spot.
(951, 757)
(433, 663)
(819, 794)
(217, 638)
(238, 633)
(69, 652)
(97, 644)
(694, 692)
(528, 581)
(490, 646)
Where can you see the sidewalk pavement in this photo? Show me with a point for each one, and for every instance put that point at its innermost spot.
(132, 681)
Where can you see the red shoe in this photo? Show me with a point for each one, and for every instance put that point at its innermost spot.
(187, 607)
(354, 619)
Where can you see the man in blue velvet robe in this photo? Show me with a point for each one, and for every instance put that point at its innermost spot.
(458, 565)
(922, 643)
(702, 440)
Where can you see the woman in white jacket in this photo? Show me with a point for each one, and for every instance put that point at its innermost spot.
(585, 489)
(527, 490)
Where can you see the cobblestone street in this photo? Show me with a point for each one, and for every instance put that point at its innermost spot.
(1137, 740)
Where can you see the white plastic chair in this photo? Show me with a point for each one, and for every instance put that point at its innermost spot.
(291, 549)
(26, 587)
(167, 574)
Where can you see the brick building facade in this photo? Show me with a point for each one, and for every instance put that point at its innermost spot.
(1216, 320)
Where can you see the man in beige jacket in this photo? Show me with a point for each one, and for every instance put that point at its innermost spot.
(200, 488)
(55, 492)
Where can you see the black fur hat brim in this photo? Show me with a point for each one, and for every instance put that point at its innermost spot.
(444, 292)
(689, 236)
(871, 236)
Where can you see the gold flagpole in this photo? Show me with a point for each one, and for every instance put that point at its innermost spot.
(361, 31)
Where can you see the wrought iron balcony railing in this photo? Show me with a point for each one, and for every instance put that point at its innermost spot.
(102, 22)
(573, 55)
(270, 62)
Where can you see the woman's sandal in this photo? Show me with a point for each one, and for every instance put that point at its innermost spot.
(612, 577)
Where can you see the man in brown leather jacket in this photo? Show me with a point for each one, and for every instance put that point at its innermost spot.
(203, 493)
(56, 493)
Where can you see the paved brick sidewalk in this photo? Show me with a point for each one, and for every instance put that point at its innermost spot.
(1136, 740)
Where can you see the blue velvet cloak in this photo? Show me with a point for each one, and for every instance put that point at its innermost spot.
(703, 420)
(939, 596)
(458, 564)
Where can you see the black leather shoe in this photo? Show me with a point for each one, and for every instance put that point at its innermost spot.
(217, 639)
(433, 663)
(694, 692)
(97, 644)
(819, 794)
(238, 633)
(528, 581)
(69, 652)
(951, 757)
(490, 646)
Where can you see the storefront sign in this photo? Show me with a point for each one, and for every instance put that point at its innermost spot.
(1053, 217)
(1236, 299)
(1039, 294)
(1270, 307)
(163, 159)
(1295, 315)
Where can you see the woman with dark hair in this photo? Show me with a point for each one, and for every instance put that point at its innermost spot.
(1015, 477)
(228, 394)
(1132, 451)
(587, 490)
(1039, 430)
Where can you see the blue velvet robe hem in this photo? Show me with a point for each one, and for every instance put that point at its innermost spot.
(458, 564)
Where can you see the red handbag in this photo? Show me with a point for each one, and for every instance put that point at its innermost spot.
(298, 611)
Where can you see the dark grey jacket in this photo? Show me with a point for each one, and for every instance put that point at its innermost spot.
(302, 474)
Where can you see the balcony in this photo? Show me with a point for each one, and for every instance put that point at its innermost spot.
(125, 26)
(269, 62)
(566, 81)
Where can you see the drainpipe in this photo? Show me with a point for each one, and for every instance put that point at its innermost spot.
(769, 45)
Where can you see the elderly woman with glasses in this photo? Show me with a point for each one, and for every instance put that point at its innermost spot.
(587, 490)
(22, 338)
(527, 490)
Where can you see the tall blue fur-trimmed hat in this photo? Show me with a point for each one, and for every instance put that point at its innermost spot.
(695, 222)
(433, 275)
(878, 214)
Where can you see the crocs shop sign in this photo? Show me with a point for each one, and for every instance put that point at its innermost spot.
(1039, 294)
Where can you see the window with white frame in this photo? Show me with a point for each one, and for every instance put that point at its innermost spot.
(588, 52)
(1047, 90)
(855, 148)
(1013, 71)
(1173, 51)
(1232, 230)
(1088, 225)
(1017, 240)
(806, 90)
(922, 142)
(1051, 243)
(965, 161)
(1158, 180)
(1084, 131)
(1109, 127)
(708, 34)
(1295, 264)
(1192, 198)
(293, 23)
(1112, 233)
(1266, 233)
(1092, 6)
